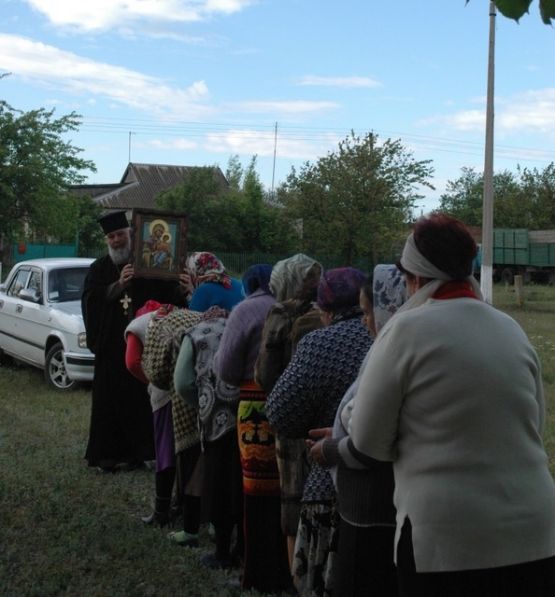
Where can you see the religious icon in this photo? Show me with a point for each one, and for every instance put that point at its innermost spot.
(159, 245)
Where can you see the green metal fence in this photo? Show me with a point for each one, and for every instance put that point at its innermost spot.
(237, 263)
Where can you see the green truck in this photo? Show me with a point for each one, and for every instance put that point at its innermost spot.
(518, 251)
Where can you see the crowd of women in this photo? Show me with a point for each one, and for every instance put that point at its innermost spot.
(343, 440)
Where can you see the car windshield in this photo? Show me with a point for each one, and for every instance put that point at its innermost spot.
(66, 284)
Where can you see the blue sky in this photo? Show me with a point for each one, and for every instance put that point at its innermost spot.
(196, 81)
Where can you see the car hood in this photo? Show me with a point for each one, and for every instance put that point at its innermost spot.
(69, 308)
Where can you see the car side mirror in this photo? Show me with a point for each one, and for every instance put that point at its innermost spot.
(29, 294)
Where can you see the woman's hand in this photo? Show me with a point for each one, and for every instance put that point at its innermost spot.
(186, 283)
(315, 443)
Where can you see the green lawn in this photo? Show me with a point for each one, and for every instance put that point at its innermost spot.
(67, 530)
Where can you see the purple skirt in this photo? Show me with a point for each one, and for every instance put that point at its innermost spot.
(164, 443)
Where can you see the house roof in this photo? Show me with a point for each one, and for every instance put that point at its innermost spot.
(140, 185)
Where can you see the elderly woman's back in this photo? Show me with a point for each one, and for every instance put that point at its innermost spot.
(452, 394)
(306, 396)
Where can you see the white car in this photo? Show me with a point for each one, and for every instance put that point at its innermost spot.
(41, 321)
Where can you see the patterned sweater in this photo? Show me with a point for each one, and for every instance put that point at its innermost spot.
(311, 387)
(195, 380)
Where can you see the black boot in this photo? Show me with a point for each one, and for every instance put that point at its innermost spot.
(164, 486)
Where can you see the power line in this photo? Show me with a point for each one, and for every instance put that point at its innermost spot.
(195, 130)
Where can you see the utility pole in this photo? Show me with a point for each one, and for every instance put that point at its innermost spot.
(486, 272)
(274, 167)
(129, 157)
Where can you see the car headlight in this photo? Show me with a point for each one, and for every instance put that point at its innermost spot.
(82, 340)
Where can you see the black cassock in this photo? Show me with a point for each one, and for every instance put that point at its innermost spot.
(121, 427)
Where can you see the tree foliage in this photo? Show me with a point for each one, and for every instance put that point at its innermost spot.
(236, 219)
(355, 203)
(37, 166)
(522, 200)
(515, 9)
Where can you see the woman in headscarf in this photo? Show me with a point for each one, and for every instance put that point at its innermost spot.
(306, 396)
(164, 445)
(363, 564)
(211, 285)
(216, 403)
(163, 339)
(293, 283)
(452, 395)
(265, 566)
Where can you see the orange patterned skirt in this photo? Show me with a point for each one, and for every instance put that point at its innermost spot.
(256, 443)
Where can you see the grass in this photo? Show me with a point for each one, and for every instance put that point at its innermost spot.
(67, 530)
(537, 318)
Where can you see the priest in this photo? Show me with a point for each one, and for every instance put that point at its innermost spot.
(121, 429)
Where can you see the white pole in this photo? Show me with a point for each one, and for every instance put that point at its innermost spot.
(129, 157)
(486, 273)
(274, 166)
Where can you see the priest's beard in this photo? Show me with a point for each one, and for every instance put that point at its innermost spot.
(120, 256)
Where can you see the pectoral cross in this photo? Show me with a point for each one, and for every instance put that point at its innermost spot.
(125, 301)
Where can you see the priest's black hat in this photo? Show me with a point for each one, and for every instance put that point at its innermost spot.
(115, 220)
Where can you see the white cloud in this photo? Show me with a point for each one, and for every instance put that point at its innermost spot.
(256, 142)
(293, 107)
(179, 144)
(102, 15)
(41, 63)
(530, 112)
(344, 82)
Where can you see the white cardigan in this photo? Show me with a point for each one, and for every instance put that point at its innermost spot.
(452, 393)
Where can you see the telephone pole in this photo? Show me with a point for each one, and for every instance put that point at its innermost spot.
(129, 156)
(486, 272)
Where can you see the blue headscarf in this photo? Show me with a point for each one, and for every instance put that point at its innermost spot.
(257, 277)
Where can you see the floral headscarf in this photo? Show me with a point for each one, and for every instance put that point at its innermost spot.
(206, 267)
(390, 292)
(257, 277)
(295, 278)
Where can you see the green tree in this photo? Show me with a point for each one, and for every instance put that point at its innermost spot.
(90, 238)
(538, 192)
(463, 197)
(522, 200)
(234, 172)
(37, 166)
(514, 9)
(238, 219)
(253, 206)
(214, 219)
(355, 202)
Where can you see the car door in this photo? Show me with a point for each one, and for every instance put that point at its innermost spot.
(32, 319)
(9, 299)
(26, 317)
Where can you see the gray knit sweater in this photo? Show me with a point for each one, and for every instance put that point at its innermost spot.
(452, 394)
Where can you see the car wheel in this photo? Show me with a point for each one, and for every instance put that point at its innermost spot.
(55, 369)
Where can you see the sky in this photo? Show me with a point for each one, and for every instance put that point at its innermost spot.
(194, 82)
